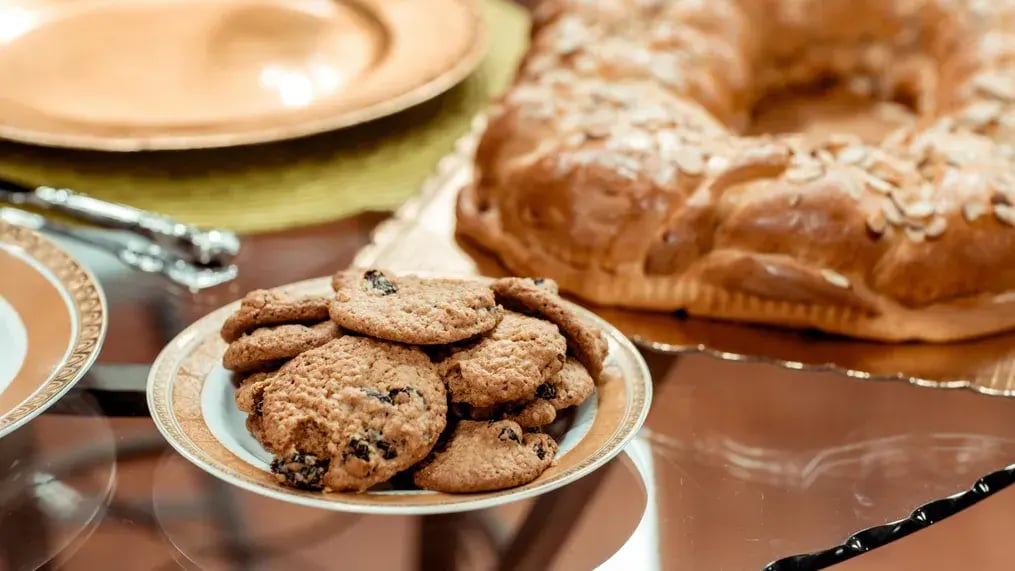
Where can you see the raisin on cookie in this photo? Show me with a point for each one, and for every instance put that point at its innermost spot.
(267, 346)
(571, 386)
(411, 309)
(361, 409)
(585, 340)
(530, 414)
(545, 284)
(262, 308)
(248, 399)
(507, 364)
(301, 471)
(248, 395)
(484, 456)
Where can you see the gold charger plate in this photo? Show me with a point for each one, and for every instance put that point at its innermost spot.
(52, 324)
(421, 236)
(130, 75)
(190, 397)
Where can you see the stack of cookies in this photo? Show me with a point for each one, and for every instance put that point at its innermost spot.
(449, 381)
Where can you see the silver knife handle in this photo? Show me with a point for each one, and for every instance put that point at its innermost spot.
(204, 247)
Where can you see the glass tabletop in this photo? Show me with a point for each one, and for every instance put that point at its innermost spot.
(738, 465)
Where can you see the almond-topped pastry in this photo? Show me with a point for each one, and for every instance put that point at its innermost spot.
(618, 167)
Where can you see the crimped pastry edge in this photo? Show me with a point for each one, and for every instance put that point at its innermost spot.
(955, 320)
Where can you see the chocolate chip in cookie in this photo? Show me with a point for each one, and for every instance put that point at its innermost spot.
(485, 456)
(410, 309)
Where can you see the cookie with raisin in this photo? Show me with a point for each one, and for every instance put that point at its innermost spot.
(361, 409)
(248, 398)
(584, 339)
(410, 309)
(505, 365)
(263, 308)
(266, 348)
(484, 456)
(570, 386)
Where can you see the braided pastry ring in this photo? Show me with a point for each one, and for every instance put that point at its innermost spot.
(615, 167)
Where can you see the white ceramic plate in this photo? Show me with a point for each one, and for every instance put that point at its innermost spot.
(52, 323)
(191, 400)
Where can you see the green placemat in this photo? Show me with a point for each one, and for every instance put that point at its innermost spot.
(291, 183)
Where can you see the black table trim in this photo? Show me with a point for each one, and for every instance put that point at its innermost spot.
(878, 536)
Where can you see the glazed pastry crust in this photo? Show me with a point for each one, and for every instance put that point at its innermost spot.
(615, 167)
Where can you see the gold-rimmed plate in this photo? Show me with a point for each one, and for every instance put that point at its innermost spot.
(52, 324)
(129, 75)
(190, 397)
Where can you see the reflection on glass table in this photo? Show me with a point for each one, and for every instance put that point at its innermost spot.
(739, 464)
(59, 475)
(778, 462)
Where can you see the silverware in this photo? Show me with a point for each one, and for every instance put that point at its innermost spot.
(213, 247)
(137, 252)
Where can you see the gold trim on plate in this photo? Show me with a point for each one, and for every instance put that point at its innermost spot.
(90, 305)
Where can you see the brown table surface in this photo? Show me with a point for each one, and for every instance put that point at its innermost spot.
(739, 464)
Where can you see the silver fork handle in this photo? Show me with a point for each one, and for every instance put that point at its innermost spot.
(203, 247)
(132, 251)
